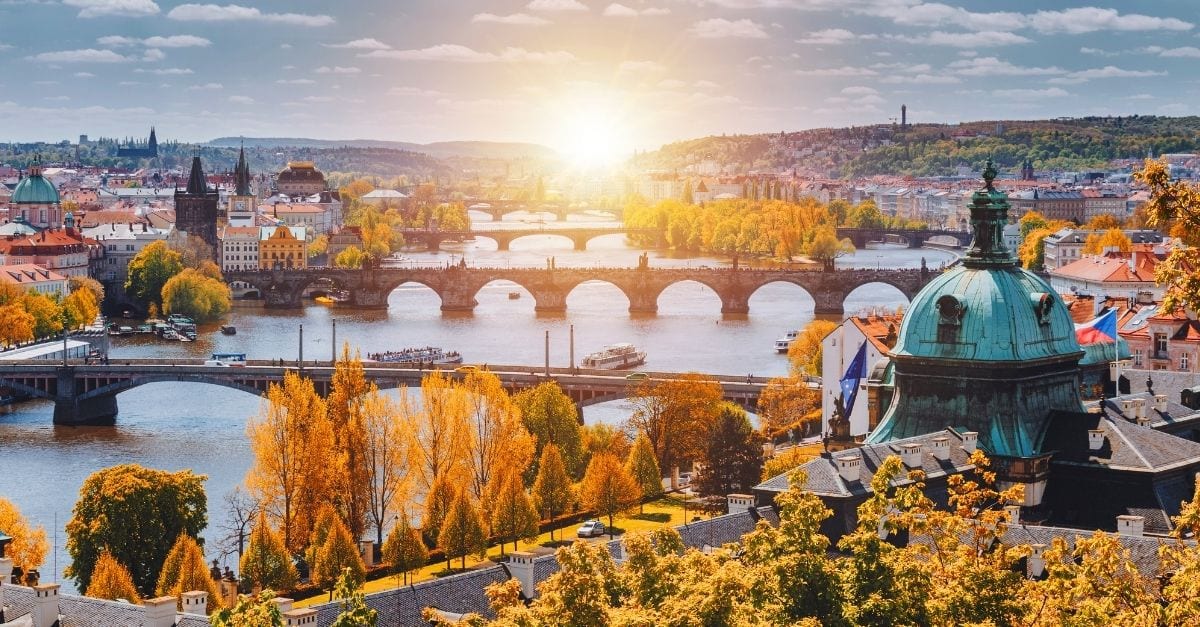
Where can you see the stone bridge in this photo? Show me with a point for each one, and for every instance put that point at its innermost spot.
(457, 285)
(915, 237)
(87, 394)
(497, 209)
(580, 236)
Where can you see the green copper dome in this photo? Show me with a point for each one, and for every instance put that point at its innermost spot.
(986, 347)
(35, 190)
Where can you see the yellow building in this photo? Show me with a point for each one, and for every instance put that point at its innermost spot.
(282, 247)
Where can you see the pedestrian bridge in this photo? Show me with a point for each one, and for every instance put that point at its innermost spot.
(86, 394)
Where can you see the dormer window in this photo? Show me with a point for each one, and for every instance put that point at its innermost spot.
(1043, 304)
(951, 309)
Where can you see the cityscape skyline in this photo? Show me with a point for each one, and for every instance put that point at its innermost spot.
(610, 76)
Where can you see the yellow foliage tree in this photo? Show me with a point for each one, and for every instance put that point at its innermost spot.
(675, 416)
(350, 473)
(112, 581)
(608, 488)
(498, 441)
(266, 562)
(29, 546)
(339, 552)
(351, 257)
(196, 296)
(441, 432)
(185, 571)
(804, 354)
(1112, 239)
(388, 456)
(788, 403)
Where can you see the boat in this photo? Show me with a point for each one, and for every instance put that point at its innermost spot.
(784, 343)
(427, 356)
(177, 319)
(228, 329)
(339, 296)
(145, 328)
(514, 295)
(170, 334)
(614, 357)
(324, 300)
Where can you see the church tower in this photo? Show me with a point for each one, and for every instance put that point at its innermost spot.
(242, 205)
(196, 207)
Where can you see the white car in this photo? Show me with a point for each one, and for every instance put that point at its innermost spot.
(590, 529)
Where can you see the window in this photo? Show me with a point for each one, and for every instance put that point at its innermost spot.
(1160, 346)
(1137, 357)
(1183, 362)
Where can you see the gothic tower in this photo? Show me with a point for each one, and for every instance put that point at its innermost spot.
(242, 203)
(196, 207)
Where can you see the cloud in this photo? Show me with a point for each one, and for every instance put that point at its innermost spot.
(296, 81)
(827, 37)
(1091, 19)
(176, 41)
(920, 79)
(859, 90)
(242, 100)
(1030, 94)
(845, 70)
(337, 69)
(361, 44)
(719, 28)
(462, 54)
(1108, 71)
(86, 55)
(641, 67)
(236, 13)
(671, 83)
(556, 5)
(413, 91)
(515, 19)
(706, 85)
(981, 39)
(84, 75)
(117, 41)
(115, 8)
(153, 54)
(1185, 52)
(166, 71)
(206, 87)
(620, 10)
(991, 66)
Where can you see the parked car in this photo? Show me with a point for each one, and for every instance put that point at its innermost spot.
(637, 376)
(466, 369)
(590, 529)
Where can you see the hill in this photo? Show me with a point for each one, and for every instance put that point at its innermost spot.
(935, 149)
(441, 150)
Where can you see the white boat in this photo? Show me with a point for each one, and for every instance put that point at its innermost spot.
(784, 343)
(614, 357)
(427, 356)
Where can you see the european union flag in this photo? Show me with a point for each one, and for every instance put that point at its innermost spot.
(854, 375)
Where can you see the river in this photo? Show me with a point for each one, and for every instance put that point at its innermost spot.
(180, 425)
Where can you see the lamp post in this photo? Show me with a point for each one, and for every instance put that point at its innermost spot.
(300, 357)
(333, 359)
(547, 353)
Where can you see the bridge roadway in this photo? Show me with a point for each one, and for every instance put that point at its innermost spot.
(458, 285)
(579, 235)
(497, 209)
(87, 394)
(916, 238)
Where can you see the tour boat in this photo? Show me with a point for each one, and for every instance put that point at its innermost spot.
(426, 356)
(614, 357)
(784, 343)
(514, 295)
(324, 300)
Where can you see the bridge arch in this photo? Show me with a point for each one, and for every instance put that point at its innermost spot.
(698, 301)
(599, 285)
(890, 298)
(123, 385)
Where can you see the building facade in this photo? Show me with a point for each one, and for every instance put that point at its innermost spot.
(239, 248)
(35, 200)
(300, 178)
(282, 247)
(28, 276)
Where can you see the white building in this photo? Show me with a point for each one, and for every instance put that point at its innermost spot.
(239, 248)
(838, 350)
(121, 243)
(28, 276)
(1066, 245)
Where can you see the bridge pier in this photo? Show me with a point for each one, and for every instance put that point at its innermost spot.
(549, 301)
(829, 303)
(370, 299)
(580, 243)
(643, 303)
(70, 410)
(735, 303)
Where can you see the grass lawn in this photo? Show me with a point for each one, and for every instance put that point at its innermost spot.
(666, 511)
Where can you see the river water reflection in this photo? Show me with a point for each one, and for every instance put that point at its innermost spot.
(179, 425)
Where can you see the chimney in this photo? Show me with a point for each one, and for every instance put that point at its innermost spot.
(1130, 525)
(6, 568)
(849, 467)
(911, 454)
(1127, 408)
(520, 567)
(739, 503)
(160, 612)
(295, 618)
(1095, 439)
(1012, 514)
(366, 548)
(1037, 560)
(1139, 409)
(1160, 403)
(970, 440)
(941, 448)
(45, 605)
(284, 604)
(195, 602)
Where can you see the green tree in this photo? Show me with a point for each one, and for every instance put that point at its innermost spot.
(552, 487)
(350, 257)
(266, 562)
(826, 248)
(550, 416)
(643, 467)
(250, 611)
(136, 514)
(462, 534)
(608, 488)
(355, 611)
(513, 514)
(150, 270)
(404, 549)
(202, 298)
(733, 459)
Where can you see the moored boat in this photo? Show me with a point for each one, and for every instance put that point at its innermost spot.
(614, 357)
(426, 356)
(228, 329)
(784, 343)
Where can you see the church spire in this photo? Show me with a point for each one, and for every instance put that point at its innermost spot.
(197, 185)
(241, 175)
(989, 215)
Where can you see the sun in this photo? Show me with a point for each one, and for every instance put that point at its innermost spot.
(593, 134)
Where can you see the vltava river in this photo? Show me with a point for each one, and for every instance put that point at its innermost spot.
(174, 425)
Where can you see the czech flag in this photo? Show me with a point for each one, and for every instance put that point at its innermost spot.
(1102, 330)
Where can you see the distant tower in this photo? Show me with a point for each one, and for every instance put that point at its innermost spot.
(242, 204)
(1027, 171)
(153, 143)
(903, 116)
(196, 207)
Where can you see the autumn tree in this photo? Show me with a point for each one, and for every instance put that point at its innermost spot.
(137, 514)
(552, 487)
(462, 533)
(350, 470)
(353, 605)
(674, 415)
(80, 308)
(404, 550)
(350, 257)
(643, 467)
(16, 325)
(1174, 206)
(788, 403)
(804, 354)
(1031, 221)
(1103, 222)
(199, 297)
(150, 270)
(112, 581)
(1099, 243)
(498, 441)
(550, 416)
(319, 246)
(604, 438)
(337, 553)
(47, 315)
(442, 437)
(786, 460)
(514, 516)
(292, 442)
(185, 571)
(387, 455)
(608, 488)
(438, 502)
(76, 283)
(825, 247)
(259, 610)
(266, 562)
(28, 547)
(733, 457)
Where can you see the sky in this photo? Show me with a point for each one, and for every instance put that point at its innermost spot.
(583, 76)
